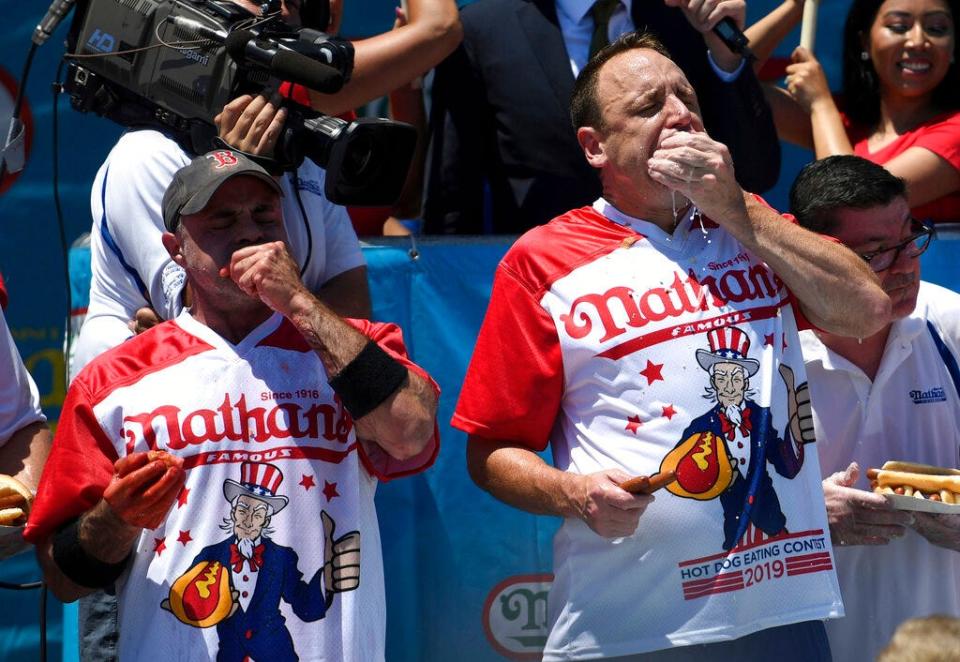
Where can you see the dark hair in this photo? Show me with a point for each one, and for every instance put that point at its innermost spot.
(584, 109)
(840, 182)
(861, 89)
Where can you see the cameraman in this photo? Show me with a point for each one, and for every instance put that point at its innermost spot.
(128, 274)
(132, 274)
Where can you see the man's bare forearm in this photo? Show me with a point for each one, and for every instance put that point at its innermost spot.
(836, 289)
(403, 423)
(519, 477)
(102, 535)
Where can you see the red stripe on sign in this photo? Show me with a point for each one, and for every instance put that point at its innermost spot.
(722, 583)
(792, 572)
(799, 565)
(697, 583)
(690, 328)
(741, 548)
(803, 566)
(808, 557)
(693, 595)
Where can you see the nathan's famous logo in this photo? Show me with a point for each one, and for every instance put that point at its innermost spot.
(235, 421)
(238, 583)
(515, 616)
(683, 296)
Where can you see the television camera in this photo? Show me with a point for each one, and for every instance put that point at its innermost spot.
(173, 64)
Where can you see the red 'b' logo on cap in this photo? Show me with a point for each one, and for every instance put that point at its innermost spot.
(224, 159)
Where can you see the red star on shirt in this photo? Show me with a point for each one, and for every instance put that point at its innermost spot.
(307, 482)
(182, 497)
(768, 340)
(784, 341)
(633, 424)
(669, 412)
(652, 372)
(184, 537)
(159, 544)
(330, 490)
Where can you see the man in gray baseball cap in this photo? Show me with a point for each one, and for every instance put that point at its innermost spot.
(335, 398)
(194, 185)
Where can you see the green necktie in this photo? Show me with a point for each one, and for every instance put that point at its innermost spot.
(601, 11)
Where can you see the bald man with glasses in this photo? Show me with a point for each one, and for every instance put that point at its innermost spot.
(890, 396)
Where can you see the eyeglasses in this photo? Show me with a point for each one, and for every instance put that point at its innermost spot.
(912, 247)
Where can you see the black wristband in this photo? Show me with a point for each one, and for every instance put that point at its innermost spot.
(79, 567)
(369, 379)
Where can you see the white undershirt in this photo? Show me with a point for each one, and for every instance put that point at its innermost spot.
(245, 581)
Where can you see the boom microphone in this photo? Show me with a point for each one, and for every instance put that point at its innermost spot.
(55, 14)
(286, 64)
(732, 37)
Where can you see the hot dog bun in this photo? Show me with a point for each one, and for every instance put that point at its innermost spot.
(163, 456)
(15, 499)
(924, 482)
(916, 468)
(921, 481)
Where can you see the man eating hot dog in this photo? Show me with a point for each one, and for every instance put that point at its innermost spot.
(256, 380)
(892, 395)
(618, 334)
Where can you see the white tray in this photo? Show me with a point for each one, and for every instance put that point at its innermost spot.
(901, 502)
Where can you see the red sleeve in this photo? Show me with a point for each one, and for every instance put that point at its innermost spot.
(514, 383)
(375, 460)
(78, 470)
(943, 139)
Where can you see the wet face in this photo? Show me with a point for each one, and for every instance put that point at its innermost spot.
(910, 45)
(730, 382)
(244, 211)
(643, 98)
(249, 517)
(868, 231)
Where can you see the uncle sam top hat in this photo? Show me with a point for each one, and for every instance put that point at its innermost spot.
(258, 480)
(728, 345)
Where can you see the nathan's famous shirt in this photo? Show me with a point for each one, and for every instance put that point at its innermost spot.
(258, 426)
(599, 339)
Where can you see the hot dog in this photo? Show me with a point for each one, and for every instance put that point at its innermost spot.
(15, 498)
(921, 481)
(163, 456)
(649, 484)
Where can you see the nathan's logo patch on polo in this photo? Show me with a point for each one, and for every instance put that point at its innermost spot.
(310, 185)
(935, 394)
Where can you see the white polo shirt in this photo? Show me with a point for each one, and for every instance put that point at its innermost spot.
(911, 411)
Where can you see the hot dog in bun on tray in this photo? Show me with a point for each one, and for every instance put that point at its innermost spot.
(921, 481)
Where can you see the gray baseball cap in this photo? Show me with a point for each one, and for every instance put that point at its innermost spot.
(195, 183)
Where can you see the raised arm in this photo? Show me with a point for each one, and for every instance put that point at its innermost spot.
(767, 33)
(519, 477)
(828, 279)
(734, 105)
(386, 61)
(392, 405)
(928, 175)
